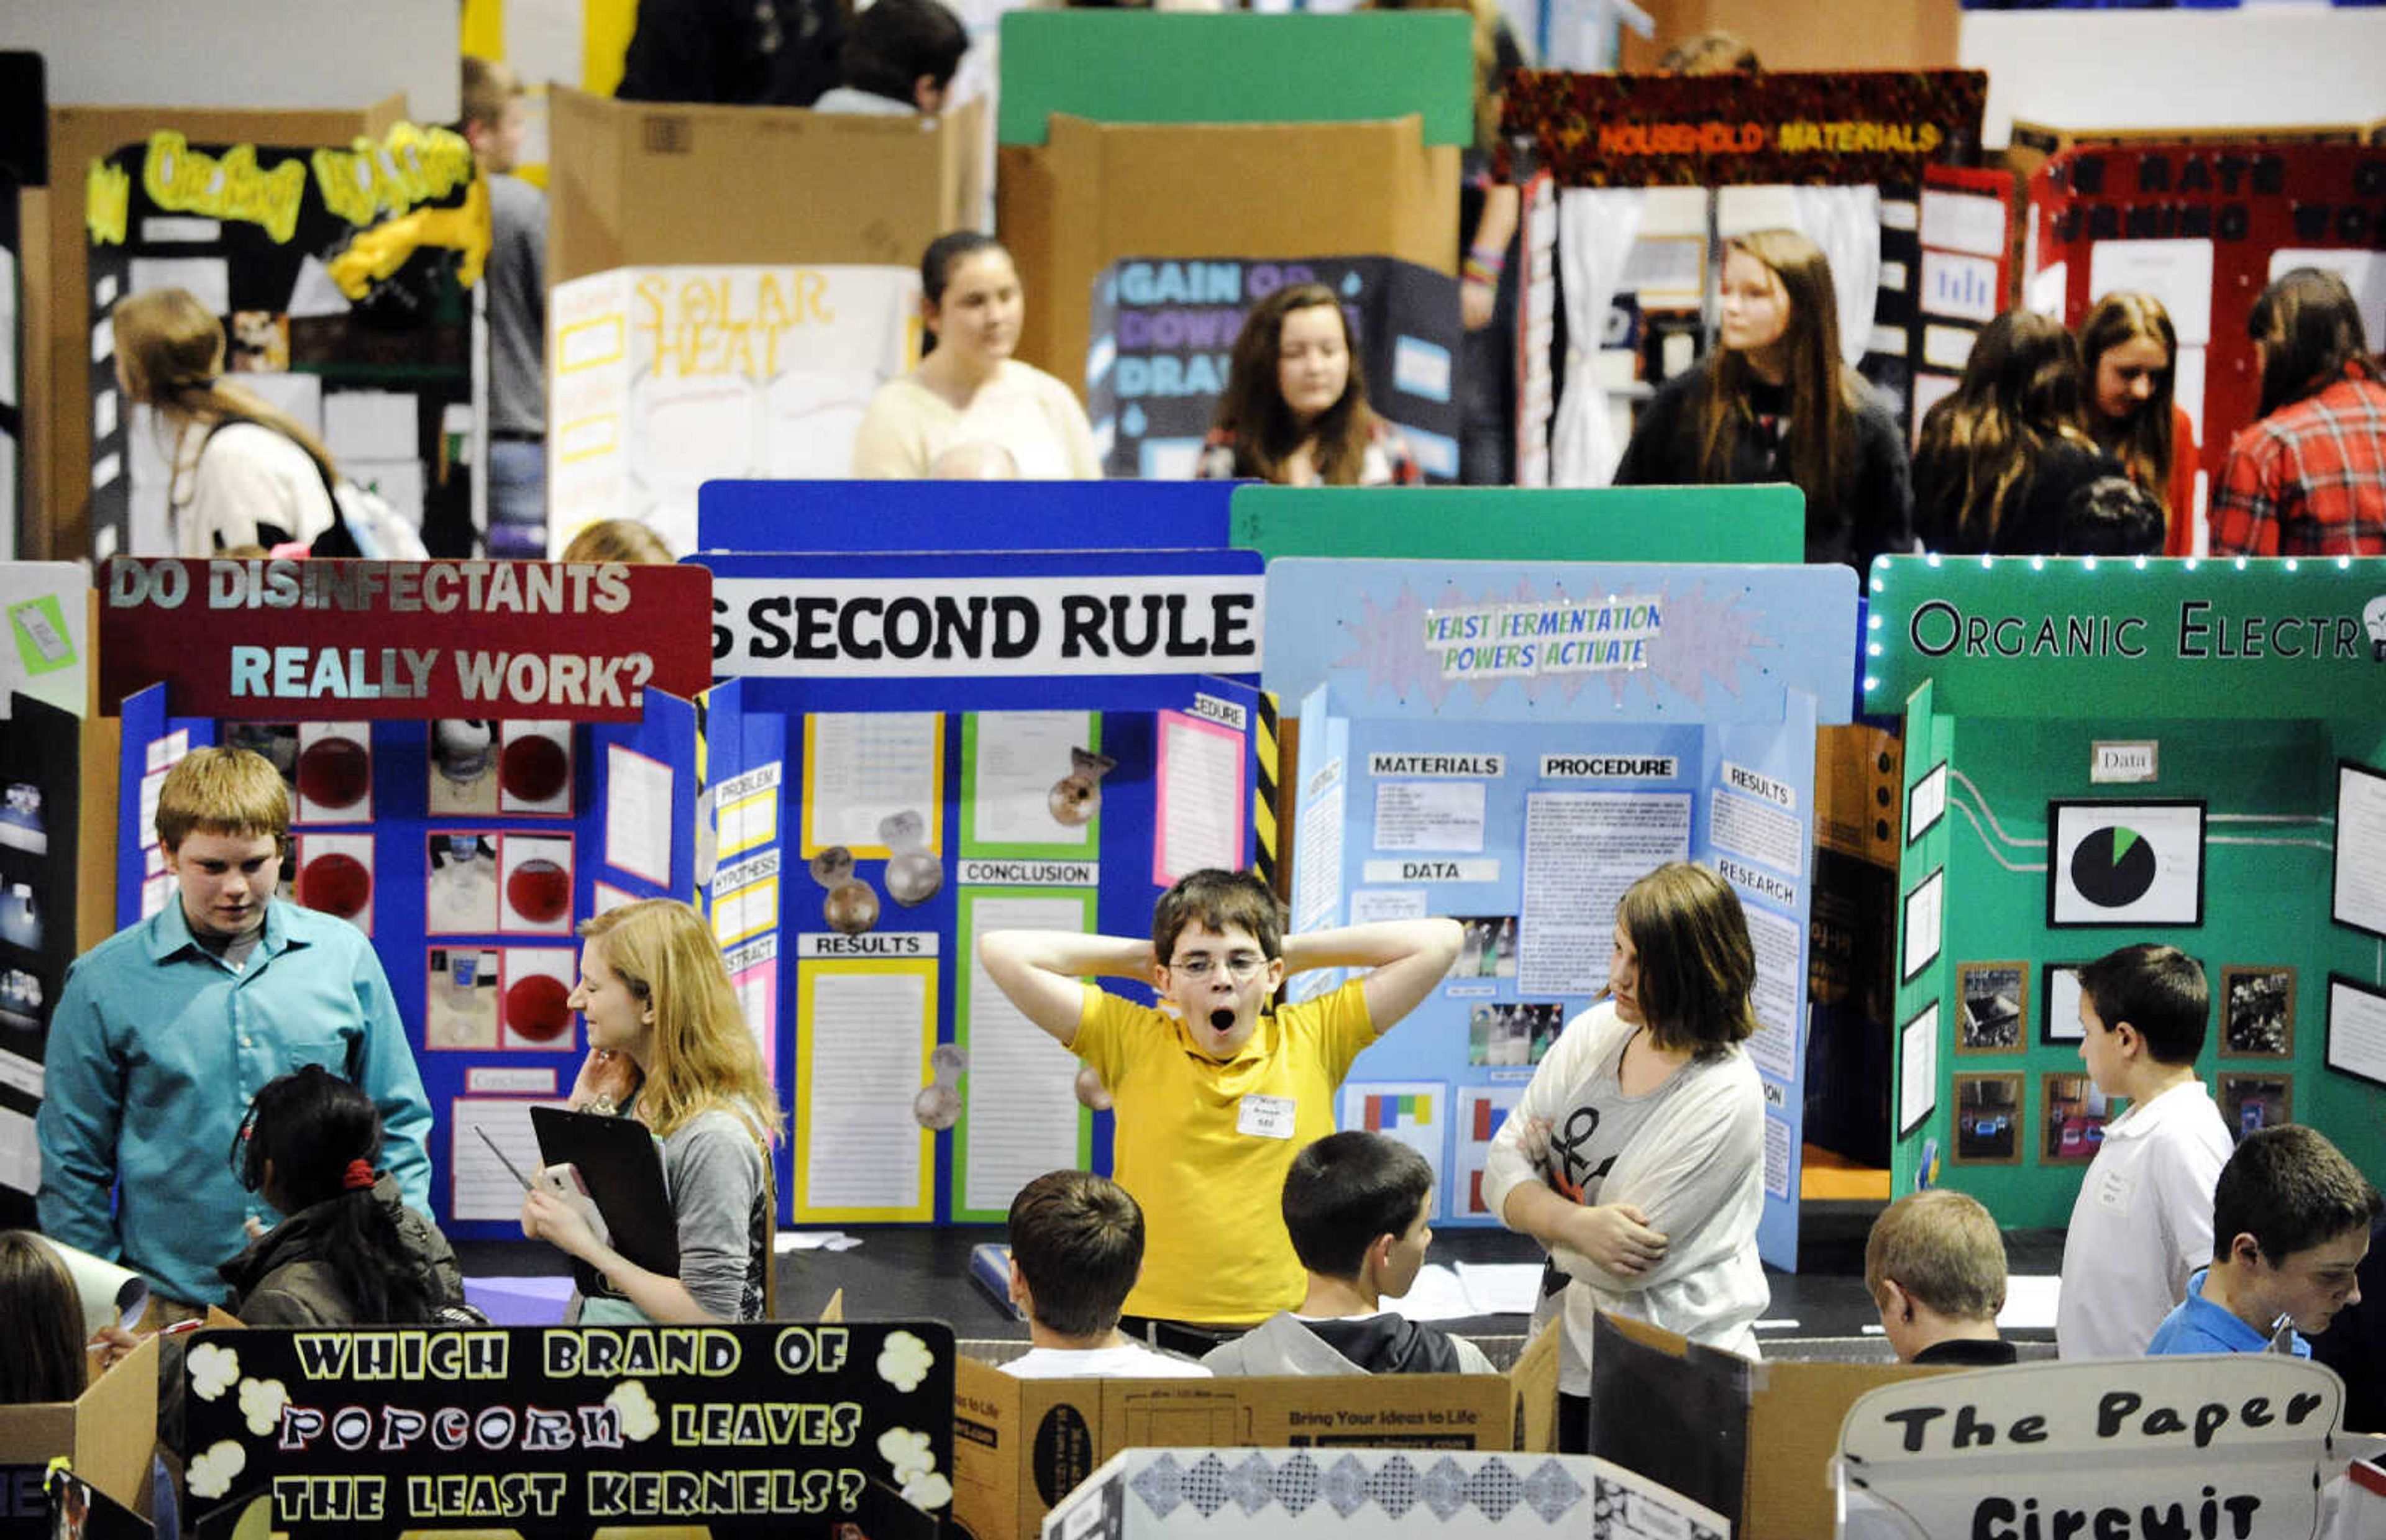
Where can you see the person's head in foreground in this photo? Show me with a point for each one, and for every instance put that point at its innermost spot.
(907, 51)
(1355, 1204)
(1935, 1267)
(630, 541)
(653, 987)
(2290, 1219)
(42, 1351)
(1217, 941)
(971, 300)
(2307, 330)
(2141, 1017)
(1076, 1247)
(1292, 382)
(1684, 964)
(224, 824)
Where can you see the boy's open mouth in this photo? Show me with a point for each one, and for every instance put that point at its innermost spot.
(1222, 1019)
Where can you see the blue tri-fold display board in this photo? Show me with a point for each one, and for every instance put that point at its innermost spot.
(1513, 744)
(946, 742)
(467, 851)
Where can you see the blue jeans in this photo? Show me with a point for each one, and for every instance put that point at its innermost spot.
(517, 498)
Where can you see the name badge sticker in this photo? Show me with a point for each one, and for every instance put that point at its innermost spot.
(1264, 1117)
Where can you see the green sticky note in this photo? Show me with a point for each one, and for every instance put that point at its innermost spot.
(39, 627)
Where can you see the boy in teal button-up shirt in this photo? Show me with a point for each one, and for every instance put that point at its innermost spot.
(166, 1029)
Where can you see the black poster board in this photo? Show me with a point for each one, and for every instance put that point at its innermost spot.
(768, 1427)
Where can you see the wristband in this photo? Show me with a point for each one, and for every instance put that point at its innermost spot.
(1477, 272)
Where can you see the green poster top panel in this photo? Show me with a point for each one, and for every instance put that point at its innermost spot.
(1176, 67)
(1621, 523)
(2050, 636)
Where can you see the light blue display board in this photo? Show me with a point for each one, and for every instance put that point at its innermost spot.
(1512, 745)
(960, 516)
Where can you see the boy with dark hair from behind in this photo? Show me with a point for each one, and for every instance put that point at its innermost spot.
(1935, 1267)
(900, 56)
(1356, 1204)
(2144, 1218)
(1076, 1249)
(2291, 1222)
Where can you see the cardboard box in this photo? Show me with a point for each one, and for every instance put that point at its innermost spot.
(644, 184)
(1752, 1440)
(1150, 1494)
(1021, 1446)
(1094, 193)
(108, 1432)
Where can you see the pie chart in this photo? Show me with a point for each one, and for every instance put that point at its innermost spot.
(2112, 867)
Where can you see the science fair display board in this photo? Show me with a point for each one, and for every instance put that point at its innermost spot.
(972, 742)
(514, 750)
(2204, 227)
(339, 278)
(2100, 754)
(1513, 745)
(661, 379)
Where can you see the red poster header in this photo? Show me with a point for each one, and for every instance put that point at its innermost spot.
(292, 641)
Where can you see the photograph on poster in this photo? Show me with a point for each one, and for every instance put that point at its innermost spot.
(535, 876)
(459, 998)
(535, 997)
(2257, 1013)
(1923, 910)
(1489, 950)
(333, 774)
(2125, 863)
(2252, 1103)
(1917, 1070)
(1925, 804)
(336, 876)
(1995, 1002)
(463, 762)
(2358, 897)
(460, 884)
(535, 767)
(2357, 1029)
(2076, 1113)
(1513, 1031)
(2058, 1012)
(1988, 1120)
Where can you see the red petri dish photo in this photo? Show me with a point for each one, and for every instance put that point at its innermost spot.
(334, 772)
(336, 884)
(534, 768)
(540, 891)
(536, 1008)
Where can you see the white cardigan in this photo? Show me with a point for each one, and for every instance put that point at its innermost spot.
(1696, 1169)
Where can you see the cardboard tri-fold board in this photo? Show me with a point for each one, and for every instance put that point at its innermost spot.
(646, 183)
(108, 1432)
(1021, 1446)
(1360, 1495)
(1094, 193)
(1752, 1440)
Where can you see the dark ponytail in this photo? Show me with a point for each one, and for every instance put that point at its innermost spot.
(315, 1127)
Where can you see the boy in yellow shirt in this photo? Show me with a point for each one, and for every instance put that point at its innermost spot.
(1216, 1090)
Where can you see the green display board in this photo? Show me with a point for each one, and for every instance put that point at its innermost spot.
(2121, 753)
(1636, 523)
(1146, 66)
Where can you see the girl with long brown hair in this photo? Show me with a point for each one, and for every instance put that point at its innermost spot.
(2002, 460)
(1775, 403)
(668, 1046)
(2128, 351)
(42, 1352)
(1296, 411)
(2309, 478)
(245, 473)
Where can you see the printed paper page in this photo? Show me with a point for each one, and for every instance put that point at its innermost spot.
(1200, 794)
(863, 1033)
(860, 766)
(1019, 1111)
(1019, 756)
(1582, 849)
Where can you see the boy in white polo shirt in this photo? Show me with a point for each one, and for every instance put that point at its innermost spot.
(2144, 1218)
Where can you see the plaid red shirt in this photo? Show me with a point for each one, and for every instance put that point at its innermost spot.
(2309, 479)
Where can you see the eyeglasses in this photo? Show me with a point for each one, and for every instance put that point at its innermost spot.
(1239, 967)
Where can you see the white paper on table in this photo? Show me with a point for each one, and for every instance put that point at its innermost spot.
(866, 1030)
(2029, 1302)
(1019, 1099)
(815, 1240)
(862, 765)
(484, 1189)
(1918, 1068)
(638, 814)
(1018, 756)
(1430, 815)
(1370, 904)
(1773, 1046)
(370, 425)
(1503, 1288)
(2177, 271)
(1199, 788)
(1582, 849)
(207, 278)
